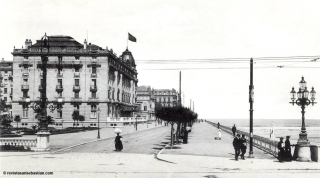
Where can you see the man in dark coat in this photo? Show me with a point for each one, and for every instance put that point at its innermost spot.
(234, 129)
(243, 146)
(281, 153)
(218, 125)
(236, 146)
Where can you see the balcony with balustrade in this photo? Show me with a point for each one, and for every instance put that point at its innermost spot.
(76, 88)
(59, 88)
(76, 100)
(93, 88)
(77, 75)
(24, 87)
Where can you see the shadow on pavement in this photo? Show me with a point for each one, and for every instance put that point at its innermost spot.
(210, 176)
(157, 148)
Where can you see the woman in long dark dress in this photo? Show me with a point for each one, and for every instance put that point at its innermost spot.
(287, 149)
(281, 153)
(118, 142)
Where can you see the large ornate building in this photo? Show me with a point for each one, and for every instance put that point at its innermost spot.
(6, 83)
(166, 97)
(146, 99)
(81, 78)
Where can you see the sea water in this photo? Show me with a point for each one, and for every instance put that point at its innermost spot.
(281, 128)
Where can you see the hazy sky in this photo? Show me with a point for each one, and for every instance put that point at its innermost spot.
(182, 30)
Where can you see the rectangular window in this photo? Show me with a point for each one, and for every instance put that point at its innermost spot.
(76, 82)
(60, 82)
(76, 69)
(25, 113)
(5, 90)
(94, 70)
(93, 95)
(94, 82)
(145, 108)
(25, 94)
(60, 94)
(59, 114)
(5, 99)
(76, 94)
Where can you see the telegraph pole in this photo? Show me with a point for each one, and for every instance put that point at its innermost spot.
(251, 94)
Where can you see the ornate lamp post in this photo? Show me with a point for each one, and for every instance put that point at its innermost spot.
(98, 112)
(303, 101)
(302, 150)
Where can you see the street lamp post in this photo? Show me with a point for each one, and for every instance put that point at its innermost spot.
(303, 101)
(303, 145)
(98, 112)
(251, 99)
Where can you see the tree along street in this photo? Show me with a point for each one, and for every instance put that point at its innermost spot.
(143, 142)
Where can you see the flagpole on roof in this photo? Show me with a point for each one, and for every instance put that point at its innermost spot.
(127, 40)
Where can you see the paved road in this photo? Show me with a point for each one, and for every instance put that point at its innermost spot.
(143, 142)
(61, 141)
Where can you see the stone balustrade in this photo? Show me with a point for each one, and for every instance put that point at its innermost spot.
(25, 142)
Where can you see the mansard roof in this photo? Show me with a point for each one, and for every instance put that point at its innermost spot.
(60, 41)
(143, 88)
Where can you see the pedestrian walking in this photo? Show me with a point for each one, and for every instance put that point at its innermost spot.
(218, 125)
(281, 153)
(243, 146)
(287, 149)
(234, 129)
(118, 142)
(236, 146)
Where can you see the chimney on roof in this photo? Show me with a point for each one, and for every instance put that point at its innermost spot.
(85, 44)
(28, 44)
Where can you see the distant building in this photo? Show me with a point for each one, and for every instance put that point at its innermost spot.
(146, 100)
(80, 77)
(166, 97)
(6, 83)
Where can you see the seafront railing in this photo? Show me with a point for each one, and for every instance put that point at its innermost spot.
(27, 143)
(265, 144)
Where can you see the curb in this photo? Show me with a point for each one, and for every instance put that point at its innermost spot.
(80, 144)
(159, 152)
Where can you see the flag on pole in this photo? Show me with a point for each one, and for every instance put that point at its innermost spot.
(132, 38)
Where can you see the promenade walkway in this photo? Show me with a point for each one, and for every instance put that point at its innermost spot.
(203, 151)
(202, 143)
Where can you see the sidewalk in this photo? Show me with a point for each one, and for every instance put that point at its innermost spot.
(203, 150)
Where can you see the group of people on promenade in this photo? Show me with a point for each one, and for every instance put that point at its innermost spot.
(284, 153)
(240, 144)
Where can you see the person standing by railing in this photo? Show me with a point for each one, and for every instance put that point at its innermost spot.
(234, 129)
(287, 149)
(281, 153)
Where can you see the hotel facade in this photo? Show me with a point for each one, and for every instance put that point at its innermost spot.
(81, 78)
(6, 84)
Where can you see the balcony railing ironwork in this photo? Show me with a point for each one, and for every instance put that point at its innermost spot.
(76, 88)
(93, 88)
(59, 88)
(24, 87)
